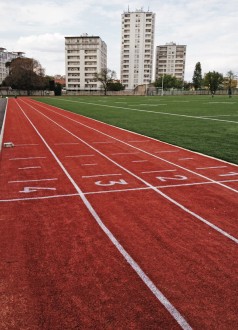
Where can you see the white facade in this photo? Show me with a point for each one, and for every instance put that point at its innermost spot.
(5, 57)
(84, 56)
(137, 48)
(170, 59)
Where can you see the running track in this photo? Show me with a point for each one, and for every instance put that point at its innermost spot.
(102, 228)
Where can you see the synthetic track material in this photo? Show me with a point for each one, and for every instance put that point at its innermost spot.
(66, 273)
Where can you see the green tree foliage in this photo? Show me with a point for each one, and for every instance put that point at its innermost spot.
(106, 77)
(25, 74)
(115, 86)
(197, 76)
(168, 81)
(213, 81)
(229, 80)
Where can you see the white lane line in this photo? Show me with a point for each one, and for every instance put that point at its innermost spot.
(18, 181)
(29, 167)
(160, 171)
(77, 156)
(139, 149)
(95, 176)
(147, 281)
(173, 201)
(209, 167)
(188, 158)
(165, 151)
(125, 153)
(27, 158)
(139, 161)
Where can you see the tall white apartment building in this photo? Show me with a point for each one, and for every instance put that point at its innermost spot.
(137, 48)
(84, 56)
(5, 57)
(170, 59)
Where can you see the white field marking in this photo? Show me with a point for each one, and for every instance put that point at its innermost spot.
(96, 176)
(165, 151)
(209, 167)
(160, 171)
(26, 158)
(139, 161)
(113, 191)
(193, 214)
(33, 180)
(103, 142)
(36, 198)
(88, 164)
(147, 281)
(188, 158)
(3, 126)
(146, 152)
(29, 167)
(28, 190)
(221, 102)
(77, 156)
(43, 105)
(229, 174)
(65, 143)
(152, 105)
(125, 153)
(156, 112)
(26, 145)
(138, 141)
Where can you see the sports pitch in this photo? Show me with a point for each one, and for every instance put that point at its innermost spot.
(199, 123)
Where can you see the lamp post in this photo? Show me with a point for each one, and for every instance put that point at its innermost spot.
(162, 89)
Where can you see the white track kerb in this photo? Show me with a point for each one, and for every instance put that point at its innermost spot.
(3, 126)
(216, 228)
(158, 294)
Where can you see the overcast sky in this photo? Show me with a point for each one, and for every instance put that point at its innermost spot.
(209, 28)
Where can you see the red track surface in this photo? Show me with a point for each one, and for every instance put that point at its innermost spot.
(102, 228)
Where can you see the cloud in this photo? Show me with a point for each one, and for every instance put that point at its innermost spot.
(207, 27)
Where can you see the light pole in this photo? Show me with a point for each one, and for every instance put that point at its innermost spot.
(162, 89)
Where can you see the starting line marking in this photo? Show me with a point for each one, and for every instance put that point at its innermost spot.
(210, 167)
(26, 168)
(88, 164)
(125, 153)
(185, 158)
(160, 171)
(139, 161)
(77, 156)
(115, 191)
(25, 145)
(65, 143)
(95, 176)
(162, 151)
(53, 179)
(26, 158)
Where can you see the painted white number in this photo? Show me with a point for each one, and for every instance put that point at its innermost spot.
(175, 177)
(110, 183)
(28, 190)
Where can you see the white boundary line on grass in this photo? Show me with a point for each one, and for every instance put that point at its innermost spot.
(156, 112)
(147, 281)
(146, 152)
(216, 228)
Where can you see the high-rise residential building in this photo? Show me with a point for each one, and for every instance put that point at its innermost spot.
(137, 48)
(84, 56)
(170, 59)
(5, 57)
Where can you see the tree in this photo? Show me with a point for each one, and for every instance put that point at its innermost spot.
(230, 82)
(213, 80)
(115, 86)
(197, 76)
(168, 81)
(105, 76)
(25, 74)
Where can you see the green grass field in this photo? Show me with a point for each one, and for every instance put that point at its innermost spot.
(200, 123)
